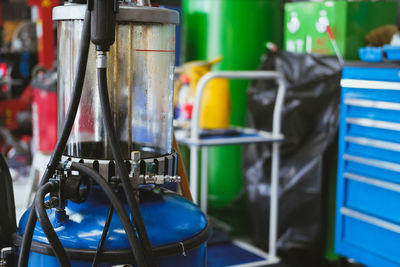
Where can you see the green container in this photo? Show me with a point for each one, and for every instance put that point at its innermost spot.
(305, 24)
(238, 30)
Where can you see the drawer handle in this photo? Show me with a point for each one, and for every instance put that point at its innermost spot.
(373, 162)
(374, 143)
(370, 219)
(364, 84)
(372, 104)
(372, 181)
(386, 125)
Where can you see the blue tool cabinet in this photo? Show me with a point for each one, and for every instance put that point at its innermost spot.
(368, 191)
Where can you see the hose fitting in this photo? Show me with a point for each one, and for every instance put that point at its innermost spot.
(101, 60)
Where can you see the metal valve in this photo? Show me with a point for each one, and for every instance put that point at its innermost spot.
(158, 179)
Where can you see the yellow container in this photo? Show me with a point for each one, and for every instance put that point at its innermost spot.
(215, 105)
(216, 101)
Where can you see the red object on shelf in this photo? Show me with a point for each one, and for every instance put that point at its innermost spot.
(45, 31)
(10, 108)
(185, 79)
(188, 110)
(3, 75)
(44, 110)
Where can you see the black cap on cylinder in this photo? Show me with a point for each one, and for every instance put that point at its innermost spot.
(103, 23)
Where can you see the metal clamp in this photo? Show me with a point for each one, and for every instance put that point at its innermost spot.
(163, 167)
(101, 60)
(183, 248)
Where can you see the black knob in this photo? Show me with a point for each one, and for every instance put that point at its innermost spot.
(76, 188)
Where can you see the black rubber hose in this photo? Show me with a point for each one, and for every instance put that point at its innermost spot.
(63, 138)
(8, 224)
(47, 227)
(121, 167)
(119, 208)
(103, 237)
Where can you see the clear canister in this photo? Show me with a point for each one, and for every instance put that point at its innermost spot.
(140, 82)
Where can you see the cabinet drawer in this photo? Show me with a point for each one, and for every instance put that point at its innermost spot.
(384, 95)
(371, 129)
(381, 240)
(372, 196)
(391, 74)
(386, 171)
(385, 115)
(373, 149)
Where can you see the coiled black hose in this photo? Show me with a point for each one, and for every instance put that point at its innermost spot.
(47, 227)
(63, 138)
(119, 208)
(121, 167)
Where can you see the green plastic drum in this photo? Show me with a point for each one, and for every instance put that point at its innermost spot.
(238, 30)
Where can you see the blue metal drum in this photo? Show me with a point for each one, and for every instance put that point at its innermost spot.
(177, 230)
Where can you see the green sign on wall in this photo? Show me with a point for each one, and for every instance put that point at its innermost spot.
(305, 25)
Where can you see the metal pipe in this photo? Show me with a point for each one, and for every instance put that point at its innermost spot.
(204, 179)
(276, 132)
(274, 201)
(194, 183)
(259, 75)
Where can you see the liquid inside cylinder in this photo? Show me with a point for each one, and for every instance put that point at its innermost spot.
(140, 83)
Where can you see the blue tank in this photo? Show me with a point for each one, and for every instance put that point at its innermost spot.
(177, 230)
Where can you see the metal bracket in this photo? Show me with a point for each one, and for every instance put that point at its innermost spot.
(59, 180)
(158, 179)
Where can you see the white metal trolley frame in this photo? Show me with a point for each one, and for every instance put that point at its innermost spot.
(248, 136)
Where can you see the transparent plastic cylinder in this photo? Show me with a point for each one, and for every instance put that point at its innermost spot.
(140, 83)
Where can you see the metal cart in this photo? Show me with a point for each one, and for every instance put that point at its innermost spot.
(246, 136)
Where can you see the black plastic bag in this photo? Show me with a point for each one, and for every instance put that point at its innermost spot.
(309, 122)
